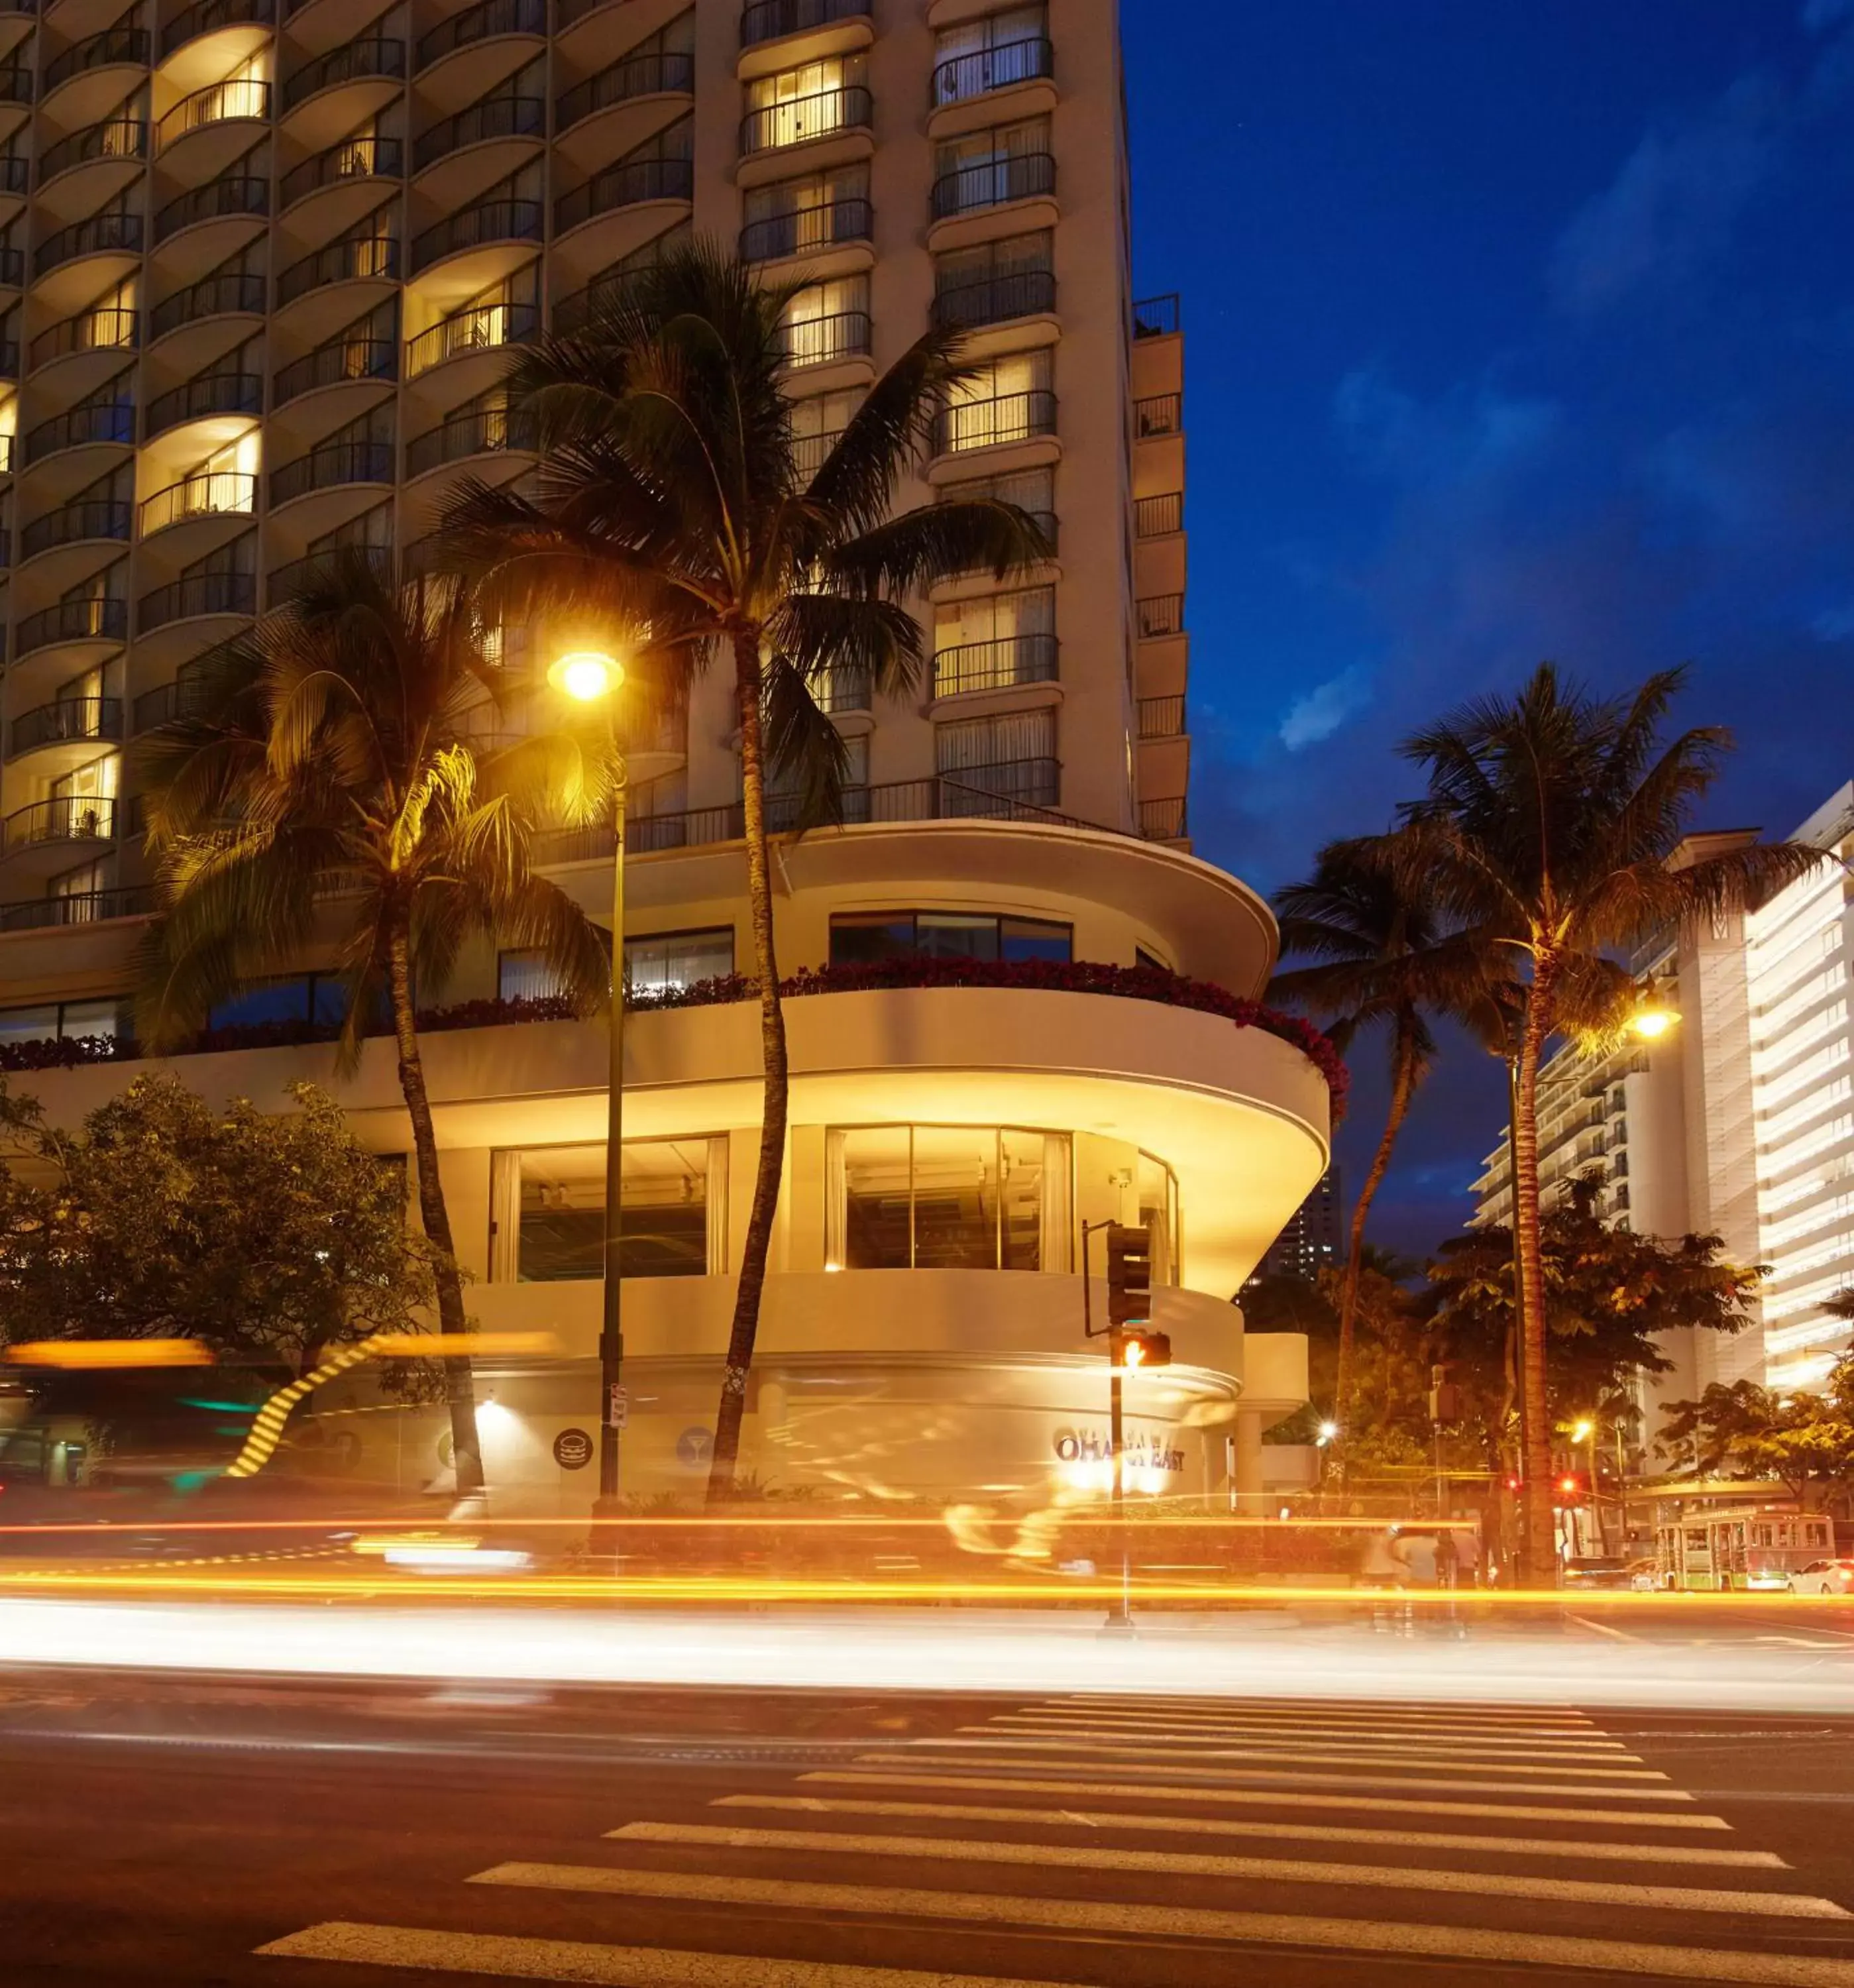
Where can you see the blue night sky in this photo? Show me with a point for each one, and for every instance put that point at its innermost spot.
(1513, 331)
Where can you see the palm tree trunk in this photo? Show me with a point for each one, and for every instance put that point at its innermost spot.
(1539, 1546)
(1402, 1087)
(460, 1392)
(758, 1238)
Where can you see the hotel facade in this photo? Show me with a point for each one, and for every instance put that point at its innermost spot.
(268, 259)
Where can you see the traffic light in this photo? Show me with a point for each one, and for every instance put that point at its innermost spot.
(1444, 1396)
(1571, 1487)
(1129, 1276)
(1132, 1346)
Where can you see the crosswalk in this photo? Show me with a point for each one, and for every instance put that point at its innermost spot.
(1085, 1829)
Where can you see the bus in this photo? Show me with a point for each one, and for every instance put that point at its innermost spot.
(1741, 1547)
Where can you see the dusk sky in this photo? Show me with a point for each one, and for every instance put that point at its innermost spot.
(1513, 332)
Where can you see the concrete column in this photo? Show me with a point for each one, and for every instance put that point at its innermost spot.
(1249, 1500)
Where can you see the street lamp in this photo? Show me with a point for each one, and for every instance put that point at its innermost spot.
(591, 676)
(1652, 1015)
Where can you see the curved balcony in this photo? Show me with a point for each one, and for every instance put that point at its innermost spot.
(374, 57)
(114, 138)
(206, 493)
(217, 104)
(1002, 664)
(104, 620)
(490, 221)
(352, 159)
(770, 20)
(479, 328)
(111, 421)
(289, 578)
(995, 299)
(78, 907)
(495, 117)
(16, 84)
(348, 359)
(828, 226)
(12, 270)
(628, 184)
(985, 70)
(218, 200)
(69, 721)
(229, 295)
(55, 823)
(994, 420)
(107, 328)
(480, 431)
(994, 183)
(369, 257)
(821, 341)
(113, 44)
(206, 15)
(196, 594)
(109, 233)
(799, 119)
(72, 524)
(15, 173)
(330, 468)
(210, 394)
(667, 73)
(483, 22)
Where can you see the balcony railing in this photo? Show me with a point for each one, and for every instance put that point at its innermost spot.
(287, 580)
(1164, 820)
(106, 328)
(817, 341)
(1159, 414)
(114, 138)
(987, 69)
(806, 229)
(1154, 517)
(353, 62)
(113, 44)
(479, 328)
(476, 432)
(204, 493)
(101, 421)
(767, 20)
(69, 721)
(111, 230)
(361, 358)
(352, 159)
(353, 259)
(1160, 614)
(15, 84)
(215, 201)
(842, 686)
(1162, 717)
(194, 594)
(994, 183)
(69, 819)
(217, 104)
(495, 117)
(1000, 664)
(996, 299)
(78, 907)
(16, 172)
(800, 118)
(105, 620)
(1156, 317)
(668, 72)
(999, 418)
(208, 394)
(810, 453)
(503, 220)
(482, 23)
(330, 466)
(70, 524)
(211, 296)
(625, 185)
(205, 16)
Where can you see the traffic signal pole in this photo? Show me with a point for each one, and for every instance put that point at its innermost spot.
(1130, 1342)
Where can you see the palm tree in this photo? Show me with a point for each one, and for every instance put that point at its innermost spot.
(1385, 959)
(671, 504)
(331, 786)
(1551, 823)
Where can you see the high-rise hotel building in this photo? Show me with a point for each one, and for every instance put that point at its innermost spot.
(262, 263)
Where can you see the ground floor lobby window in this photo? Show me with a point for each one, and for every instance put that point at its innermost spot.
(549, 1218)
(947, 1198)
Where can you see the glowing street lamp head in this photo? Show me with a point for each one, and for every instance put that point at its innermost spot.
(585, 675)
(1652, 1016)
(1582, 1432)
(1328, 1431)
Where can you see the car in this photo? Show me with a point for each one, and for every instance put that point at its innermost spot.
(1596, 1571)
(1646, 1577)
(1824, 1576)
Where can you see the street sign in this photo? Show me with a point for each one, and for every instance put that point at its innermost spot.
(619, 1412)
(695, 1448)
(572, 1449)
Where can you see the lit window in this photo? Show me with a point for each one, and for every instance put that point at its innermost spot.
(859, 937)
(947, 1198)
(550, 1211)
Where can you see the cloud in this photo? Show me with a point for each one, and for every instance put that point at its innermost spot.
(1834, 624)
(1818, 16)
(1325, 708)
(1474, 432)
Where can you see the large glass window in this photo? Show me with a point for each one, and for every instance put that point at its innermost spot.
(550, 1211)
(990, 53)
(1158, 1216)
(55, 1021)
(657, 963)
(947, 1198)
(858, 937)
(1007, 399)
(321, 998)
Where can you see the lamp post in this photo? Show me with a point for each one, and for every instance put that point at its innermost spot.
(590, 676)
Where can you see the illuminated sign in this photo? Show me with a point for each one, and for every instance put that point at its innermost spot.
(1139, 1451)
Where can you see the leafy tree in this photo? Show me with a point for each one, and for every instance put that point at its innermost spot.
(1549, 826)
(671, 505)
(1383, 960)
(1805, 1441)
(331, 788)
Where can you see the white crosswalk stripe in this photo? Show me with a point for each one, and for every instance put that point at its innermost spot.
(1366, 1833)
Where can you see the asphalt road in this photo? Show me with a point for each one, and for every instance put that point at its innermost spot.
(200, 1831)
